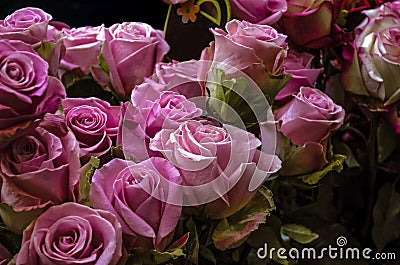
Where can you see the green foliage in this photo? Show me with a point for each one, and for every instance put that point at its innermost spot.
(232, 231)
(299, 233)
(336, 164)
(87, 172)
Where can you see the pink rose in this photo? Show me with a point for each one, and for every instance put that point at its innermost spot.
(217, 164)
(5, 255)
(27, 24)
(265, 12)
(372, 61)
(307, 120)
(26, 90)
(39, 167)
(152, 109)
(130, 50)
(138, 194)
(298, 65)
(257, 50)
(311, 109)
(311, 24)
(72, 234)
(82, 47)
(94, 123)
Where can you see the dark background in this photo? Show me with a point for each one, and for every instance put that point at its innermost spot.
(93, 13)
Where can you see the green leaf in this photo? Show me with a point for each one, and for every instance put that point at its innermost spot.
(193, 245)
(180, 243)
(344, 149)
(207, 254)
(46, 49)
(342, 18)
(299, 233)
(117, 152)
(16, 222)
(274, 84)
(10, 239)
(87, 172)
(232, 231)
(70, 78)
(387, 141)
(103, 65)
(335, 164)
(153, 257)
(235, 101)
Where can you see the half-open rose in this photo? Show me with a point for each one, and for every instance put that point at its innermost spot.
(311, 24)
(27, 24)
(372, 61)
(130, 51)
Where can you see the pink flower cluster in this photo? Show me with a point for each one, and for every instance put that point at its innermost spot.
(91, 180)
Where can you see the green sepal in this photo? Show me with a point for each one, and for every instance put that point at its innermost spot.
(87, 172)
(335, 164)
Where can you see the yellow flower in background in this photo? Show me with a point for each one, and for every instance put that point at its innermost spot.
(188, 11)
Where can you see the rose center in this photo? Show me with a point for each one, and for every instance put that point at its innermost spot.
(14, 71)
(132, 180)
(25, 150)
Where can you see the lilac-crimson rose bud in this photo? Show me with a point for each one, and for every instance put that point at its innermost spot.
(307, 120)
(94, 123)
(40, 166)
(257, 50)
(372, 61)
(311, 109)
(5, 255)
(130, 50)
(315, 18)
(218, 162)
(298, 65)
(72, 234)
(26, 90)
(27, 24)
(138, 194)
(265, 12)
(153, 108)
(82, 47)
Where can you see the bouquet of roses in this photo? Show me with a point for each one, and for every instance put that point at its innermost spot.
(115, 150)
